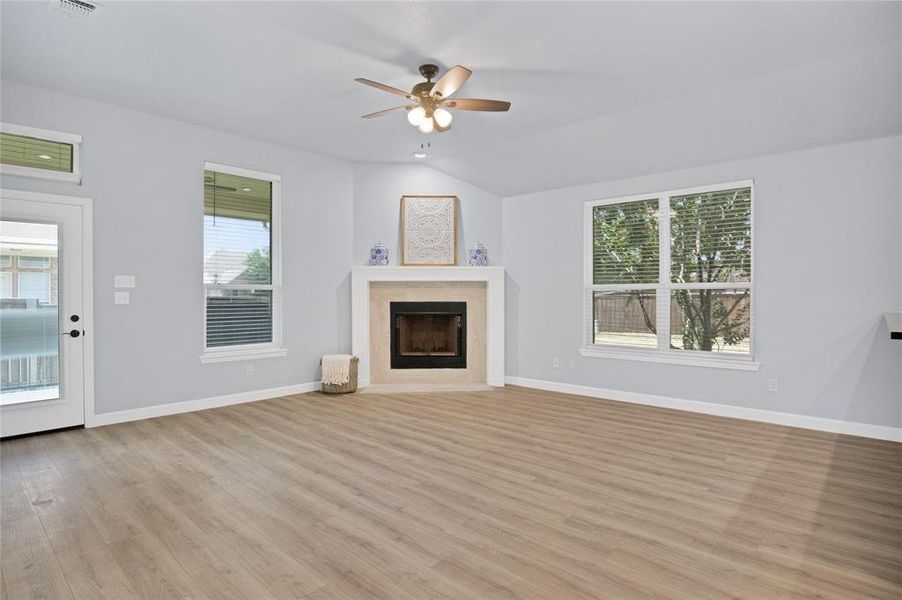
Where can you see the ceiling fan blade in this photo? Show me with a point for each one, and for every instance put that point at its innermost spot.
(478, 104)
(384, 88)
(389, 111)
(450, 82)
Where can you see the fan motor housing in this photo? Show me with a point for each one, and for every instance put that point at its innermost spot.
(422, 89)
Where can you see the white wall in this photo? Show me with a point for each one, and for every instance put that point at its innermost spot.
(377, 209)
(828, 262)
(145, 175)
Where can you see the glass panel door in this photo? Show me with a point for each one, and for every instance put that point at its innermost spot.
(44, 332)
(29, 312)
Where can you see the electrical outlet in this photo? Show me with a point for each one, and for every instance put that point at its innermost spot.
(249, 369)
(571, 364)
(772, 385)
(556, 362)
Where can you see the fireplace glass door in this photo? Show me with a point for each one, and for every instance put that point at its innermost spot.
(428, 335)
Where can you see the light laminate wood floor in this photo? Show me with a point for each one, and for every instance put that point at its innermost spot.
(499, 494)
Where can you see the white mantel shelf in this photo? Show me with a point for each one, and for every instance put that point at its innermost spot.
(362, 277)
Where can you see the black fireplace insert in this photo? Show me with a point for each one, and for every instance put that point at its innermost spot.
(428, 335)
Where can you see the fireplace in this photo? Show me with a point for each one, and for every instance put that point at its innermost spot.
(428, 335)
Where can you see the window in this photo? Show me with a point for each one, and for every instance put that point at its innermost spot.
(669, 276)
(34, 262)
(242, 279)
(30, 152)
(34, 285)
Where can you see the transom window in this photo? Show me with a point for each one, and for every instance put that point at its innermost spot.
(31, 152)
(669, 275)
(242, 279)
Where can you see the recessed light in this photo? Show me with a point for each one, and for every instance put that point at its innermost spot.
(45, 156)
(245, 189)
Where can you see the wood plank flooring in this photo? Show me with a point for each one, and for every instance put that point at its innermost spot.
(510, 493)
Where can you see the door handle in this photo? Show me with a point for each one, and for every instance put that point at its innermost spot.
(74, 333)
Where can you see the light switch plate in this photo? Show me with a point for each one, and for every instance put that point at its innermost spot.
(121, 298)
(124, 281)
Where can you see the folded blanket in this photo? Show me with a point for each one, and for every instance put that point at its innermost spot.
(336, 369)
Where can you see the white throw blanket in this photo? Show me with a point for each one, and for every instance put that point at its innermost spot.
(336, 369)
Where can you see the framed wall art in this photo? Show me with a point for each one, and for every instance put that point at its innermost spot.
(429, 230)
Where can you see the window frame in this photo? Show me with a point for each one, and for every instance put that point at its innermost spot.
(51, 136)
(273, 349)
(664, 288)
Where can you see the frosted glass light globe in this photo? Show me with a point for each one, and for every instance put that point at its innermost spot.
(442, 117)
(427, 126)
(416, 116)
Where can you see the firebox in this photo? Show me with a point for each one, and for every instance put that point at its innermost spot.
(428, 335)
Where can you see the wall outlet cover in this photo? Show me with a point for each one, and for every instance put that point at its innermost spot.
(121, 298)
(556, 362)
(124, 281)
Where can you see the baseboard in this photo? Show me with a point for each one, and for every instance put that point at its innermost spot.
(880, 432)
(174, 408)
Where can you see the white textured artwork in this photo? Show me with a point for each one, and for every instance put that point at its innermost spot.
(428, 229)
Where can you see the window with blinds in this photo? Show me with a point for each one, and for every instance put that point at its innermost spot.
(672, 272)
(241, 278)
(39, 153)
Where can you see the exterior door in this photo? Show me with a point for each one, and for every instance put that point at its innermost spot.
(42, 324)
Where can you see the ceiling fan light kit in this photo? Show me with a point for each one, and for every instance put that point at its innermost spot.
(442, 117)
(416, 116)
(429, 111)
(427, 125)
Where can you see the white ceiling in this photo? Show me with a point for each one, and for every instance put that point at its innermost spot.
(599, 90)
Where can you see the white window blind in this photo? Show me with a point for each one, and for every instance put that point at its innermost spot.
(242, 292)
(671, 272)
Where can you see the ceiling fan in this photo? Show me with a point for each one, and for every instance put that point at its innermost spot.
(432, 99)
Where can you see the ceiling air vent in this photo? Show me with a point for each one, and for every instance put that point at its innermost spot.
(77, 9)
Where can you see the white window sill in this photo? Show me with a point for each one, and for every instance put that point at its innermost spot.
(36, 173)
(672, 358)
(221, 356)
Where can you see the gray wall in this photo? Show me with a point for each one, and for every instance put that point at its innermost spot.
(377, 209)
(827, 226)
(144, 174)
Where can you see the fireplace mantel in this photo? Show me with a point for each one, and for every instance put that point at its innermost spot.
(362, 277)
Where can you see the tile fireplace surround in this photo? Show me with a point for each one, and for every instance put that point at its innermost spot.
(459, 283)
